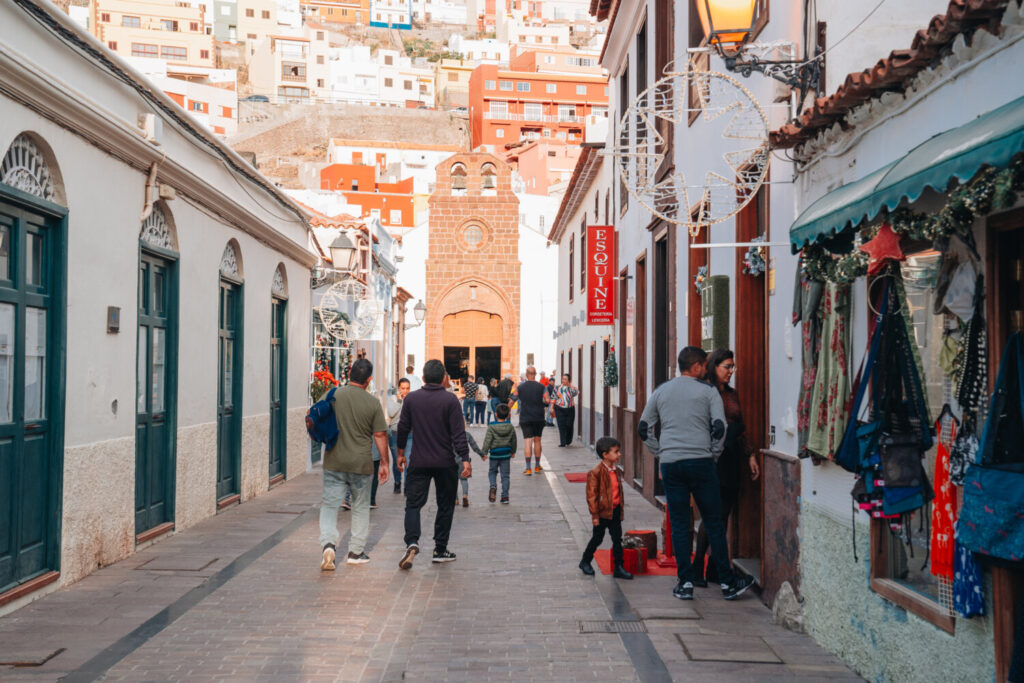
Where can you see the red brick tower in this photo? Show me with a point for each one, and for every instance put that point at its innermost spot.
(473, 268)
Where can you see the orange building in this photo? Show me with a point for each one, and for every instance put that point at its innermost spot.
(393, 203)
(337, 11)
(507, 105)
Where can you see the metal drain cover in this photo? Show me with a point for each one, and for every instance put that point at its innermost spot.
(612, 627)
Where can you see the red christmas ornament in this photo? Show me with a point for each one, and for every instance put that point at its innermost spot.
(884, 247)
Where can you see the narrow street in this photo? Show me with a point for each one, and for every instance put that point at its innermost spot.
(241, 597)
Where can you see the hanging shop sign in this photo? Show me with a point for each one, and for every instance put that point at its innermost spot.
(600, 269)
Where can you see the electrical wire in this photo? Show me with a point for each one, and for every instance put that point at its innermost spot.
(43, 18)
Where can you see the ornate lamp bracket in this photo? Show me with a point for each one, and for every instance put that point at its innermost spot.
(803, 75)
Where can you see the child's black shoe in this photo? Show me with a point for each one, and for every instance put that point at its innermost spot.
(587, 569)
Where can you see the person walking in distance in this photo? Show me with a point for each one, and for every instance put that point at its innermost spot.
(500, 447)
(469, 399)
(532, 402)
(565, 410)
(394, 412)
(504, 390)
(414, 381)
(605, 500)
(435, 416)
(482, 397)
(492, 391)
(348, 467)
(693, 427)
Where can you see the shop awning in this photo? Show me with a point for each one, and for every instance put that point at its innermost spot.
(989, 140)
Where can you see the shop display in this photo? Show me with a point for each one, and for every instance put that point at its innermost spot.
(992, 520)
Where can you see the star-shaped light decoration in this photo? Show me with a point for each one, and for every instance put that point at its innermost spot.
(883, 248)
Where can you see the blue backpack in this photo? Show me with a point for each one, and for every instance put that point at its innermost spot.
(320, 421)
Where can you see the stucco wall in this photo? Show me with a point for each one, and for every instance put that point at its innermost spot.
(879, 640)
(99, 506)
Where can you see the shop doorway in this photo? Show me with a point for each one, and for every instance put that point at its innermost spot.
(751, 383)
(487, 362)
(229, 393)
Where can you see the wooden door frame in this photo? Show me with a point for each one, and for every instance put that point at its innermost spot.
(1006, 584)
(640, 364)
(57, 222)
(283, 436)
(751, 353)
(236, 388)
(593, 394)
(170, 379)
(579, 402)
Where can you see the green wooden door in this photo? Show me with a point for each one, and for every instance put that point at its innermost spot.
(278, 382)
(229, 391)
(155, 395)
(28, 283)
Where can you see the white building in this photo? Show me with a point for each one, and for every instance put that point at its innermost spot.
(209, 95)
(439, 11)
(481, 51)
(382, 78)
(391, 14)
(291, 68)
(397, 160)
(159, 345)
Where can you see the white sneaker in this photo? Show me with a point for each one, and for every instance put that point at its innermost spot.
(327, 564)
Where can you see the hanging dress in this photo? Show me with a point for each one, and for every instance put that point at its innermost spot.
(831, 389)
(943, 508)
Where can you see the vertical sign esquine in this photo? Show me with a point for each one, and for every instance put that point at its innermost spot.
(600, 274)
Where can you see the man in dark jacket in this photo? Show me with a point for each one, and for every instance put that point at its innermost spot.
(504, 390)
(435, 416)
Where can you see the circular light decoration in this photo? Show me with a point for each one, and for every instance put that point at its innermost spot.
(348, 310)
(733, 124)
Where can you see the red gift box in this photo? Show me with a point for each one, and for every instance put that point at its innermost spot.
(635, 560)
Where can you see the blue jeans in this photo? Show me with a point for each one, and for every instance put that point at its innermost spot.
(698, 478)
(336, 486)
(481, 409)
(468, 406)
(502, 465)
(492, 406)
(393, 447)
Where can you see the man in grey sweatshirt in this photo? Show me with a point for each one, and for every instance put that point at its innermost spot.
(692, 425)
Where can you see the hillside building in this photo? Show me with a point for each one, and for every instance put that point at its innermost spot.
(507, 105)
(162, 29)
(292, 68)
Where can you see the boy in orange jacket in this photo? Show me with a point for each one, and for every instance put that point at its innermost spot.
(605, 499)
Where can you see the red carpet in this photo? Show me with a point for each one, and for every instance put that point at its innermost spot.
(603, 557)
(576, 477)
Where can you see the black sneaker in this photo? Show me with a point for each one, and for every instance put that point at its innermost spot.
(683, 591)
(361, 558)
(504, 500)
(620, 572)
(398, 488)
(443, 556)
(739, 586)
(411, 551)
(586, 568)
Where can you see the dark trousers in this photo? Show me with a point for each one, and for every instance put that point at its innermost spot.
(468, 406)
(373, 486)
(698, 478)
(730, 498)
(417, 486)
(481, 411)
(614, 527)
(566, 417)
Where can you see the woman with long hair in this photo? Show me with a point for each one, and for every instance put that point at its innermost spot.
(737, 458)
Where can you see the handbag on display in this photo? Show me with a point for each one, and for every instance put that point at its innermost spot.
(992, 519)
(964, 450)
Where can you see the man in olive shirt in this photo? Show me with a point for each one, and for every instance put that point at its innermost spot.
(348, 467)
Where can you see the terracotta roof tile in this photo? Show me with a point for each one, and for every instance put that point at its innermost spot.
(893, 72)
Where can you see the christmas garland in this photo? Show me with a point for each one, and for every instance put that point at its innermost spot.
(990, 190)
(611, 370)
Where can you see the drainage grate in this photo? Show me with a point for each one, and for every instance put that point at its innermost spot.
(612, 627)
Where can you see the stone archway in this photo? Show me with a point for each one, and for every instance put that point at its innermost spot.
(469, 313)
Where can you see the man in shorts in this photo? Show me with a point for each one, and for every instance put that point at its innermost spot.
(533, 399)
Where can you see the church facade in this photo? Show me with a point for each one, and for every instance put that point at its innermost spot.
(473, 268)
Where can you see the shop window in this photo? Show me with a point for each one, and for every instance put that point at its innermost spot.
(901, 564)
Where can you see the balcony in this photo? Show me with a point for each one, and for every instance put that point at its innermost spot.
(294, 78)
(491, 116)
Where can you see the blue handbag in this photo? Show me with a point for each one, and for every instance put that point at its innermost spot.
(992, 519)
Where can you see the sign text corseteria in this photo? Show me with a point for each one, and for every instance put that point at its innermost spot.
(601, 275)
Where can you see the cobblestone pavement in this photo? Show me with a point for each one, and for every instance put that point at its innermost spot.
(241, 597)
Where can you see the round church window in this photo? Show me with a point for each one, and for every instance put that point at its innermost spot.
(473, 236)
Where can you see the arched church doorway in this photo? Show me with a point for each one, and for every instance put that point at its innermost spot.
(472, 344)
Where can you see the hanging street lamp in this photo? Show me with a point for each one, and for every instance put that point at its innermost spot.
(343, 252)
(728, 26)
